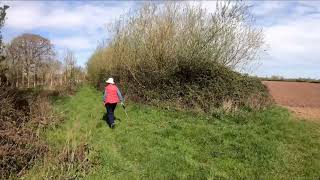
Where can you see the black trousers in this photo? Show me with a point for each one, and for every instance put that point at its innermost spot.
(110, 112)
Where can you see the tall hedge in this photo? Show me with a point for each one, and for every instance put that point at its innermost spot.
(180, 55)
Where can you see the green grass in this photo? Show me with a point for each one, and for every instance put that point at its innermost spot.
(160, 144)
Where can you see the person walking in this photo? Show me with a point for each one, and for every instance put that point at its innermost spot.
(112, 96)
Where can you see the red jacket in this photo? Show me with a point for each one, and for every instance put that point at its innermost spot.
(112, 94)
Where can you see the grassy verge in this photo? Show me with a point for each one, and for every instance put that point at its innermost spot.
(158, 144)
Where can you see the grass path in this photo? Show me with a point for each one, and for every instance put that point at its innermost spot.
(158, 144)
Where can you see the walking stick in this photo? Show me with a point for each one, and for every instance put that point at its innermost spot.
(125, 111)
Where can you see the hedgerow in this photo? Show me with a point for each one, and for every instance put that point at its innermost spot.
(181, 56)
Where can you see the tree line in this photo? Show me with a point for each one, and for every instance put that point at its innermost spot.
(30, 60)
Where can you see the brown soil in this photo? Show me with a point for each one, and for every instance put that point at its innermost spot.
(300, 97)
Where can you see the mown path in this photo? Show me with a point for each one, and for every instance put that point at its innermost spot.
(161, 144)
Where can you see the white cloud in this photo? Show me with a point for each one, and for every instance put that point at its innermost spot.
(294, 47)
(209, 6)
(291, 29)
(70, 25)
(314, 5)
(76, 43)
(61, 15)
(267, 8)
(17, 15)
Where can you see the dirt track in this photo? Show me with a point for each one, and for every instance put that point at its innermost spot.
(300, 97)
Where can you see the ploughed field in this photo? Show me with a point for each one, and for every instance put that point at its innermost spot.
(303, 98)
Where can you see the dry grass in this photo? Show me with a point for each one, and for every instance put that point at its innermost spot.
(227, 105)
(70, 160)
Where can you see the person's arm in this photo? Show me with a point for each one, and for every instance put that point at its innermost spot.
(104, 95)
(120, 95)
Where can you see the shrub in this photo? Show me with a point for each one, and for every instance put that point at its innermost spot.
(180, 55)
(22, 115)
(202, 87)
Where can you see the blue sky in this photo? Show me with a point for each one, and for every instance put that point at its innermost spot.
(291, 28)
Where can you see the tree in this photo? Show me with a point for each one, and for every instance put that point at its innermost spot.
(73, 74)
(28, 52)
(3, 67)
(157, 38)
(181, 53)
(54, 73)
(2, 21)
(31, 61)
(69, 65)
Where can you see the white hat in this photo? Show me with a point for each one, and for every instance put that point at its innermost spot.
(110, 81)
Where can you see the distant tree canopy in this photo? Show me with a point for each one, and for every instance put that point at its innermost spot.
(72, 73)
(181, 53)
(31, 61)
(29, 57)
